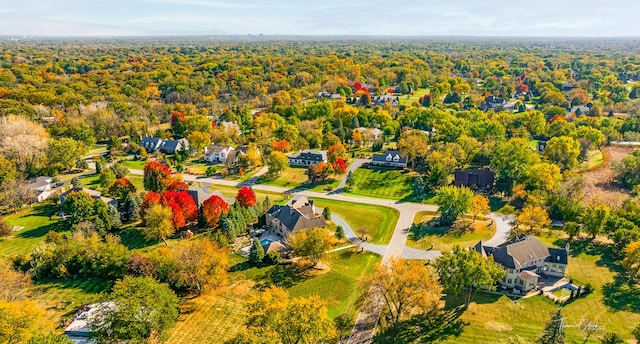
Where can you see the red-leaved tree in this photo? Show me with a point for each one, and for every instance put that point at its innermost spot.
(177, 186)
(522, 88)
(339, 167)
(185, 205)
(212, 209)
(246, 197)
(121, 188)
(150, 199)
(176, 215)
(281, 146)
(157, 177)
(336, 151)
(176, 116)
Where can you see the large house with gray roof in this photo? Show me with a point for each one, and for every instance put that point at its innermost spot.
(151, 144)
(307, 157)
(390, 158)
(525, 259)
(298, 214)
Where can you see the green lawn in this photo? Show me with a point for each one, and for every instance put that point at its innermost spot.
(407, 99)
(37, 222)
(60, 299)
(91, 182)
(97, 149)
(613, 304)
(134, 164)
(443, 238)
(220, 315)
(292, 177)
(137, 181)
(592, 160)
(382, 183)
(246, 176)
(379, 221)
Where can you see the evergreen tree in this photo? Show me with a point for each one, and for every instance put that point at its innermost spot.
(419, 188)
(256, 253)
(340, 232)
(326, 213)
(114, 217)
(350, 180)
(132, 207)
(554, 332)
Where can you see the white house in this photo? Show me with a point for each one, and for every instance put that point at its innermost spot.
(215, 154)
(41, 188)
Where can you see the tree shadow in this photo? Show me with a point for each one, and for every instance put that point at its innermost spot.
(425, 328)
(622, 295)
(609, 256)
(284, 276)
(133, 239)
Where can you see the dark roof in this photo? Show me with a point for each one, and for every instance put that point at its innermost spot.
(309, 152)
(297, 215)
(558, 255)
(174, 145)
(481, 178)
(393, 153)
(518, 252)
(217, 148)
(150, 142)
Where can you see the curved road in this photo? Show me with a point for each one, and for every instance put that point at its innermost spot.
(364, 328)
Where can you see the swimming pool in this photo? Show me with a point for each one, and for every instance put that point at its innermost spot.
(267, 241)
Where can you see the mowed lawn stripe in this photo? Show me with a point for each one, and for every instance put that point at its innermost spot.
(381, 183)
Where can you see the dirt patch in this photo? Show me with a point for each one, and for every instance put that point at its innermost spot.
(497, 326)
(601, 184)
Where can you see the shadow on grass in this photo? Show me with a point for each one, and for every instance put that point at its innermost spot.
(609, 256)
(433, 228)
(284, 276)
(426, 328)
(48, 210)
(133, 239)
(622, 295)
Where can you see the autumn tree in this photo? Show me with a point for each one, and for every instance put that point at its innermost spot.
(336, 152)
(312, 243)
(107, 178)
(563, 151)
(277, 163)
(413, 145)
(319, 171)
(13, 284)
(631, 261)
(453, 202)
(158, 223)
(212, 209)
(464, 272)
(533, 216)
(5, 228)
(18, 320)
(281, 146)
(121, 188)
(198, 140)
(479, 206)
(339, 167)
(511, 160)
(203, 265)
(407, 288)
(183, 207)
(274, 317)
(142, 309)
(23, 142)
(246, 197)
(157, 177)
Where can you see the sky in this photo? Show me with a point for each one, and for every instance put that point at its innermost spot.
(539, 18)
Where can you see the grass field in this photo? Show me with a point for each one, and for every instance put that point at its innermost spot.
(613, 304)
(134, 164)
(593, 159)
(91, 182)
(443, 238)
(37, 222)
(379, 221)
(291, 177)
(381, 183)
(60, 299)
(220, 315)
(406, 99)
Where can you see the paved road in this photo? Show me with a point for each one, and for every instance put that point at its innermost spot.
(364, 328)
(352, 168)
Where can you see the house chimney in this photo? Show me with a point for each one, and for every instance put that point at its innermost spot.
(566, 248)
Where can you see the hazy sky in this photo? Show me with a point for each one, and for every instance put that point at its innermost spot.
(320, 17)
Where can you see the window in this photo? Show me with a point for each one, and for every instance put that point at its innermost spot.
(389, 157)
(509, 281)
(396, 158)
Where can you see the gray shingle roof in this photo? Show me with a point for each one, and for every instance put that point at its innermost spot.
(297, 215)
(393, 153)
(519, 252)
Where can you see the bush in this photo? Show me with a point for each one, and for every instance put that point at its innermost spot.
(340, 233)
(273, 257)
(211, 171)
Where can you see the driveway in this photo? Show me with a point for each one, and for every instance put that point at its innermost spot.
(352, 168)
